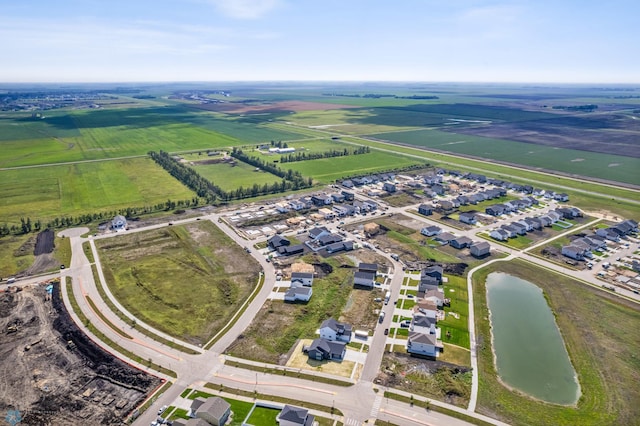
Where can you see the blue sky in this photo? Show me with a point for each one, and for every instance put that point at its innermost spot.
(308, 40)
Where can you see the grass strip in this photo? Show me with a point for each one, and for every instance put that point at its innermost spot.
(126, 319)
(86, 247)
(237, 315)
(427, 405)
(273, 398)
(83, 318)
(283, 372)
(105, 320)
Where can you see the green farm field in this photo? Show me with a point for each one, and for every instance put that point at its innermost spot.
(326, 170)
(187, 281)
(230, 178)
(602, 166)
(84, 188)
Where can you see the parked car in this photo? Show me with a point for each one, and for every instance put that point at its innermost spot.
(162, 409)
(386, 331)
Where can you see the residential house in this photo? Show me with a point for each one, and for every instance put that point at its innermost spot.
(119, 223)
(321, 200)
(302, 278)
(348, 196)
(329, 239)
(495, 210)
(574, 252)
(298, 294)
(425, 210)
(214, 410)
(463, 200)
(461, 242)
(277, 241)
(423, 344)
(338, 198)
(534, 222)
(326, 214)
(437, 188)
(444, 237)
(480, 249)
(368, 267)
(428, 283)
(331, 329)
(446, 205)
(430, 231)
(528, 227)
(561, 197)
(426, 307)
(340, 246)
(520, 228)
(431, 179)
(608, 234)
(190, 422)
(545, 220)
(435, 271)
(468, 217)
(436, 297)
(291, 250)
(318, 232)
(513, 232)
(423, 324)
(294, 416)
(297, 205)
(326, 349)
(389, 187)
(364, 279)
(347, 183)
(499, 234)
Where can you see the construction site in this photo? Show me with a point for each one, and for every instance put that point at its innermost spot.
(52, 373)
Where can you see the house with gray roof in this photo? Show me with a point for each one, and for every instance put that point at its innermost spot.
(479, 249)
(321, 349)
(331, 329)
(215, 410)
(294, 416)
(119, 223)
(423, 344)
(298, 294)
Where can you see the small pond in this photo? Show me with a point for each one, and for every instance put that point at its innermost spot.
(529, 351)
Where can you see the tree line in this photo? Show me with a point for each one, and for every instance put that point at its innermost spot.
(294, 177)
(28, 225)
(304, 156)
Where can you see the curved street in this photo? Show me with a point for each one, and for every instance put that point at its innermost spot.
(359, 403)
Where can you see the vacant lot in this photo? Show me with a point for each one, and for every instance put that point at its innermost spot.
(187, 281)
(69, 190)
(602, 338)
(278, 325)
(57, 375)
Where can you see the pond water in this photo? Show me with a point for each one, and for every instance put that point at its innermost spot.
(529, 351)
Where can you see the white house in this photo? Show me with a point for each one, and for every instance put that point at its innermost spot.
(423, 344)
(301, 278)
(430, 231)
(423, 324)
(333, 330)
(294, 416)
(295, 294)
(119, 223)
(364, 279)
(435, 296)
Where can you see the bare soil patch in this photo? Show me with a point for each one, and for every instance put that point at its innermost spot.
(44, 242)
(56, 374)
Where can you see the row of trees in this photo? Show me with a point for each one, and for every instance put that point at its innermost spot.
(188, 176)
(296, 179)
(303, 156)
(27, 225)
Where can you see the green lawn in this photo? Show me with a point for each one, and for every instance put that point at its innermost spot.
(72, 189)
(263, 416)
(187, 281)
(458, 328)
(16, 254)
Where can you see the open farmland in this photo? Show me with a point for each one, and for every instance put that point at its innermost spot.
(327, 170)
(602, 338)
(597, 165)
(85, 188)
(230, 177)
(187, 281)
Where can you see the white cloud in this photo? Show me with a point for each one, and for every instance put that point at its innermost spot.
(245, 9)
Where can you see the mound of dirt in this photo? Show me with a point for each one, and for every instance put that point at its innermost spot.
(44, 242)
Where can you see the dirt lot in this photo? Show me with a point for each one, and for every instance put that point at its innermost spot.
(53, 382)
(440, 380)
